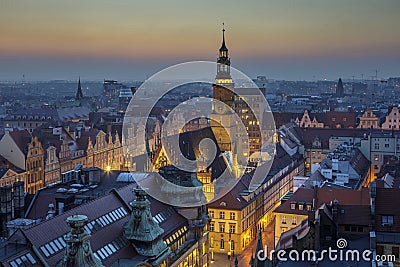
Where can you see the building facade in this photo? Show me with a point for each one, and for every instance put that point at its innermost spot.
(392, 119)
(368, 120)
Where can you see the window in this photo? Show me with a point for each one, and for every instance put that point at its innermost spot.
(222, 227)
(211, 212)
(386, 145)
(232, 245)
(294, 221)
(308, 206)
(283, 219)
(232, 216)
(222, 215)
(222, 245)
(211, 227)
(301, 206)
(232, 228)
(387, 220)
(293, 205)
(376, 145)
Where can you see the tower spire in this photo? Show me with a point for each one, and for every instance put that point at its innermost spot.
(79, 94)
(223, 46)
(224, 62)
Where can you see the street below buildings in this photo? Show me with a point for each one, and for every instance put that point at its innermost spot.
(222, 260)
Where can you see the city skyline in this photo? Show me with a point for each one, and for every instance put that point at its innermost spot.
(290, 40)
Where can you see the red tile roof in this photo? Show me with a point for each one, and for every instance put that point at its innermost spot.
(308, 135)
(354, 214)
(324, 195)
(53, 228)
(386, 203)
(22, 138)
(343, 119)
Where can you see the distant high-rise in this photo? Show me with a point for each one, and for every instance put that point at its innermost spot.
(111, 91)
(125, 96)
(339, 88)
(79, 94)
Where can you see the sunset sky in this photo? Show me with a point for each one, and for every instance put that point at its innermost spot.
(127, 40)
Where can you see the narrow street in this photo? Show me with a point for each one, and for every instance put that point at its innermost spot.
(221, 259)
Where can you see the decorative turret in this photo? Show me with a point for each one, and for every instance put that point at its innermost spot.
(143, 231)
(78, 252)
(110, 140)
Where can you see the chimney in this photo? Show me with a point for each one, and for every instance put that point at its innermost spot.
(51, 212)
(335, 207)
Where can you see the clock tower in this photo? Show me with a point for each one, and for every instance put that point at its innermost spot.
(221, 119)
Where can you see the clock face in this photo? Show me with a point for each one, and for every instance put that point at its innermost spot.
(220, 108)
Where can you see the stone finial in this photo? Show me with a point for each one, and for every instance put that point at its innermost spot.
(78, 252)
(142, 230)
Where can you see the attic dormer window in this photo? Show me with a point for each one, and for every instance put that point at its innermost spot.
(293, 205)
(387, 220)
(301, 206)
(308, 206)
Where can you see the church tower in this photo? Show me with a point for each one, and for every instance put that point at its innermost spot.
(339, 88)
(223, 91)
(79, 94)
